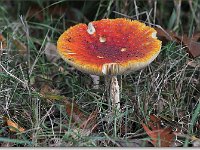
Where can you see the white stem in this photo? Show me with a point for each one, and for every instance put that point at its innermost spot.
(114, 92)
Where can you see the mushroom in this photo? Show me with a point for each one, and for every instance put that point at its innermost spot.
(109, 47)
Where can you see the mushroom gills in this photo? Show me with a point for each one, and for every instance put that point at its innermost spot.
(110, 69)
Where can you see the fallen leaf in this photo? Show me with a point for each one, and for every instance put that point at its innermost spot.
(91, 121)
(49, 93)
(35, 11)
(87, 126)
(192, 44)
(160, 137)
(47, 89)
(78, 132)
(2, 46)
(58, 10)
(155, 120)
(193, 64)
(2, 43)
(14, 127)
(166, 35)
(22, 48)
(74, 111)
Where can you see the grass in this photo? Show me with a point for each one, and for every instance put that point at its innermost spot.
(33, 89)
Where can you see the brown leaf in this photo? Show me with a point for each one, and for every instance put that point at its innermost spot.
(91, 121)
(45, 89)
(2, 46)
(49, 93)
(166, 35)
(2, 42)
(58, 10)
(78, 132)
(73, 110)
(87, 126)
(22, 48)
(81, 122)
(160, 137)
(154, 119)
(192, 44)
(35, 12)
(193, 64)
(14, 127)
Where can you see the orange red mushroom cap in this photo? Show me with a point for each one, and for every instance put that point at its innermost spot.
(109, 46)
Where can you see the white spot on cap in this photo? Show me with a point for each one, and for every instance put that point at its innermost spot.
(100, 56)
(123, 49)
(102, 39)
(71, 53)
(154, 35)
(146, 44)
(91, 29)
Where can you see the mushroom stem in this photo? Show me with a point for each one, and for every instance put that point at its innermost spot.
(114, 93)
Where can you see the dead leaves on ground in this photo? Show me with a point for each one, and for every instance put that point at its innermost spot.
(80, 122)
(86, 126)
(83, 125)
(55, 11)
(2, 46)
(86, 123)
(160, 137)
(13, 126)
(35, 11)
(2, 42)
(192, 43)
(21, 47)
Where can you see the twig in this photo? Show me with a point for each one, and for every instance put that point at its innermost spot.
(136, 10)
(154, 13)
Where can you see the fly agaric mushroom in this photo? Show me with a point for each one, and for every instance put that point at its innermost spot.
(109, 47)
